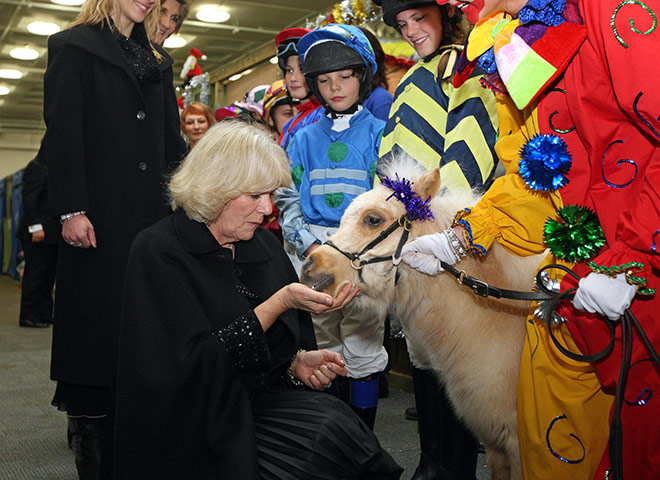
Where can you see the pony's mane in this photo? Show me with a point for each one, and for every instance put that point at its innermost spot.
(445, 204)
(399, 163)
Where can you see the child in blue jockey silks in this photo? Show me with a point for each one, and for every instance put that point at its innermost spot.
(333, 161)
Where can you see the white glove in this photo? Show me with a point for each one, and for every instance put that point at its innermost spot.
(608, 296)
(425, 253)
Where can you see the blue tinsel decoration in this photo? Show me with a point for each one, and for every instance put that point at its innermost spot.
(544, 163)
(416, 208)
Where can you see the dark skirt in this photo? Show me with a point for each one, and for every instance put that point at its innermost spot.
(312, 435)
(81, 400)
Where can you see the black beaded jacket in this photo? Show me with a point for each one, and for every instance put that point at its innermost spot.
(192, 354)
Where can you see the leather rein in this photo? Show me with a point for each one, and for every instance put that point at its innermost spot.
(479, 287)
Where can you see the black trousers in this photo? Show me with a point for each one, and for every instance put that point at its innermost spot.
(38, 281)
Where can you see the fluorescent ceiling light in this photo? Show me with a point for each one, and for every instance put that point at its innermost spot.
(43, 28)
(175, 41)
(10, 73)
(24, 53)
(4, 90)
(273, 60)
(212, 14)
(233, 78)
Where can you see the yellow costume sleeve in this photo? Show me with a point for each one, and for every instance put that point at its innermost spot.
(509, 212)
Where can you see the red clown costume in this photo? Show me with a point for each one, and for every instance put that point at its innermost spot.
(583, 75)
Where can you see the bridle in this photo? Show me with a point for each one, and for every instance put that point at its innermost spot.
(403, 221)
(479, 287)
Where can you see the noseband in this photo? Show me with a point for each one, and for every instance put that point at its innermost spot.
(403, 221)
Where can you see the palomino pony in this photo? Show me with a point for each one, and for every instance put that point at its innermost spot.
(473, 343)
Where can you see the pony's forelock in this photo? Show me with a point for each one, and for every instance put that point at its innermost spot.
(400, 163)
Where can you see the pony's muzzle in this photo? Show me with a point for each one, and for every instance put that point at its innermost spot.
(317, 280)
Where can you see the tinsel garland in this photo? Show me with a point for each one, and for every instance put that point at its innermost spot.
(577, 237)
(544, 163)
(631, 269)
(349, 12)
(200, 84)
(416, 208)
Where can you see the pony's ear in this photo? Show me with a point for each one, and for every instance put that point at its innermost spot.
(428, 184)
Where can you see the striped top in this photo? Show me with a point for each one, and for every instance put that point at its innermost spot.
(443, 126)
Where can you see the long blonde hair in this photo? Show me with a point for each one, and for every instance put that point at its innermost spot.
(97, 11)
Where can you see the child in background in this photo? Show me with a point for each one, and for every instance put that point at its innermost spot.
(253, 102)
(291, 66)
(333, 161)
(279, 107)
(379, 100)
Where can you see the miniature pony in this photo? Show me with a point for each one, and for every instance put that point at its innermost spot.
(473, 343)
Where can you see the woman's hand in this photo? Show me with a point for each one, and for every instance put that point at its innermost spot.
(301, 297)
(318, 368)
(78, 231)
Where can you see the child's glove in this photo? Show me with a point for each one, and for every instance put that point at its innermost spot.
(598, 293)
(425, 253)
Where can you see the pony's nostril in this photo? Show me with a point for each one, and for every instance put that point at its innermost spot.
(308, 265)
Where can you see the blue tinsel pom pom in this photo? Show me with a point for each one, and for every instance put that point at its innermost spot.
(544, 163)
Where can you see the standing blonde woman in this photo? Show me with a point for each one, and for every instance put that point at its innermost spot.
(112, 129)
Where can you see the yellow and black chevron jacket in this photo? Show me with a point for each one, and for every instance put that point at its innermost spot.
(440, 125)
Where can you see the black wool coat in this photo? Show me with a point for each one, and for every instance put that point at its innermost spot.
(110, 142)
(183, 410)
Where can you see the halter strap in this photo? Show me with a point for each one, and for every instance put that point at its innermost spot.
(403, 221)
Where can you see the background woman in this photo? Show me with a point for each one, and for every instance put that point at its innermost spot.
(213, 317)
(112, 130)
(196, 119)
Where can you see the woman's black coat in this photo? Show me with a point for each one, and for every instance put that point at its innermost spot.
(182, 411)
(110, 142)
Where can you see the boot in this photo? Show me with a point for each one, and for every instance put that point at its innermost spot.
(86, 434)
(448, 448)
(364, 398)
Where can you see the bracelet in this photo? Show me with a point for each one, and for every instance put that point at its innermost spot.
(292, 377)
(455, 243)
(66, 216)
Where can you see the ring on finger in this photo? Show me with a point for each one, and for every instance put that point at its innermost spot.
(79, 245)
(325, 387)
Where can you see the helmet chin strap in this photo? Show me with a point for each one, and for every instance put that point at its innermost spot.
(349, 111)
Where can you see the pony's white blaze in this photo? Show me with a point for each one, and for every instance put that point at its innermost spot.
(474, 344)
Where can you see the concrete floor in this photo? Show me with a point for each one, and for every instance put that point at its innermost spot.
(33, 434)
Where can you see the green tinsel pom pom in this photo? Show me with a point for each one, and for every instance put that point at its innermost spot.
(578, 236)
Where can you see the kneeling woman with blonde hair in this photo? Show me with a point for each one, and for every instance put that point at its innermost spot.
(218, 363)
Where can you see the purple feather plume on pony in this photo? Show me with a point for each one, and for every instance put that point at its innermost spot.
(416, 208)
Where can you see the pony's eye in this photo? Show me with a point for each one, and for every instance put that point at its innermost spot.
(373, 220)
